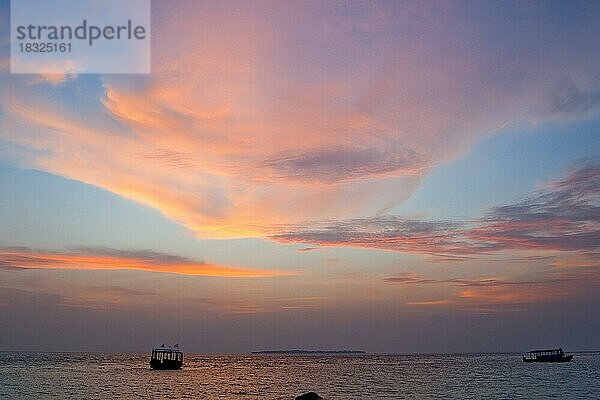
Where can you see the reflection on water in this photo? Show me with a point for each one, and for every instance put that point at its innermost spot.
(127, 376)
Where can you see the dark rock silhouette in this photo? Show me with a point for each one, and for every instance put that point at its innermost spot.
(309, 396)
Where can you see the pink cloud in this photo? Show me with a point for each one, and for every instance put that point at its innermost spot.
(262, 116)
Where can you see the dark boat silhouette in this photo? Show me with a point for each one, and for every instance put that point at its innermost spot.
(550, 355)
(166, 358)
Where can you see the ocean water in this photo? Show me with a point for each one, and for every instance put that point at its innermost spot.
(127, 376)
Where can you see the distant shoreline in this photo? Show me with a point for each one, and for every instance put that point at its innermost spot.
(299, 351)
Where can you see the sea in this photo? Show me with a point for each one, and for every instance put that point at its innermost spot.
(365, 376)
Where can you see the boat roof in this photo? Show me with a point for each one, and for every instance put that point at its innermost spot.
(542, 351)
(166, 350)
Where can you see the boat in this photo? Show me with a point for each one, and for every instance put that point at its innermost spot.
(166, 358)
(550, 355)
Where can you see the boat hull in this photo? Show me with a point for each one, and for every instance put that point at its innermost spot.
(549, 359)
(165, 364)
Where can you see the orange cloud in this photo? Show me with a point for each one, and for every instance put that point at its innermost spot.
(429, 302)
(250, 121)
(510, 295)
(241, 128)
(109, 259)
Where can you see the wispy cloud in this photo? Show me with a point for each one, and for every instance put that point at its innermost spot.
(408, 279)
(487, 295)
(338, 165)
(229, 306)
(102, 297)
(563, 216)
(429, 302)
(571, 99)
(586, 259)
(51, 79)
(387, 233)
(306, 249)
(113, 259)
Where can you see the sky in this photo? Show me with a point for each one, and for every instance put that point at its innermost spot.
(393, 177)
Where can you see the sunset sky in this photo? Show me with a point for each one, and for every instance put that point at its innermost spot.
(385, 176)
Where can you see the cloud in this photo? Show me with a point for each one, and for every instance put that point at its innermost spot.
(103, 297)
(306, 249)
(408, 279)
(565, 216)
(229, 306)
(429, 302)
(53, 72)
(51, 78)
(571, 99)
(89, 297)
(112, 259)
(11, 297)
(387, 233)
(586, 259)
(489, 295)
(262, 116)
(344, 164)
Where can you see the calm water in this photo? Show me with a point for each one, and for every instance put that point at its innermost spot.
(126, 376)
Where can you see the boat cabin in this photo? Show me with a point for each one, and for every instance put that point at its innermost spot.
(163, 358)
(550, 355)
